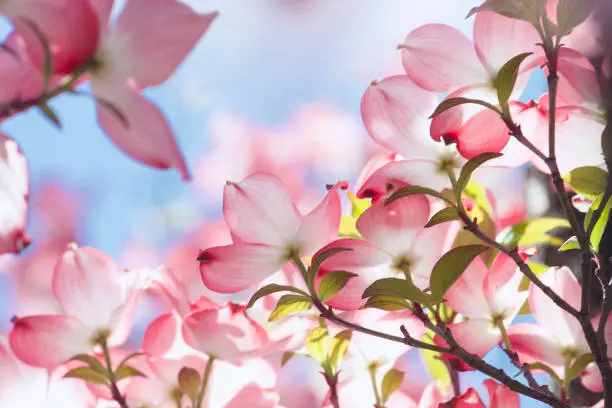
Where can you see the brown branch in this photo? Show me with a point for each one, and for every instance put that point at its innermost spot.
(332, 383)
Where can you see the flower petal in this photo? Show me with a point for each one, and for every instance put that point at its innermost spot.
(137, 126)
(467, 295)
(14, 191)
(534, 343)
(441, 58)
(70, 27)
(393, 227)
(487, 337)
(234, 268)
(484, 132)
(395, 112)
(501, 396)
(48, 340)
(153, 54)
(258, 210)
(161, 334)
(86, 284)
(322, 224)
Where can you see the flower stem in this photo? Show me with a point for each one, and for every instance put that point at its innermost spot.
(205, 380)
(115, 393)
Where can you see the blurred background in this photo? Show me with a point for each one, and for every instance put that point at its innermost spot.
(274, 85)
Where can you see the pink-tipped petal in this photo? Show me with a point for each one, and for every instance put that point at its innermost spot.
(70, 27)
(154, 53)
(226, 333)
(161, 334)
(427, 248)
(533, 343)
(591, 378)
(395, 112)
(14, 191)
(48, 341)
(393, 227)
(578, 143)
(501, 284)
(322, 224)
(259, 210)
(468, 399)
(19, 78)
(136, 125)
(498, 39)
(487, 338)
(441, 58)
(501, 396)
(467, 296)
(484, 132)
(234, 268)
(86, 284)
(578, 82)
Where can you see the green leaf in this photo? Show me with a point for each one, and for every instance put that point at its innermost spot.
(588, 181)
(288, 304)
(387, 303)
(91, 362)
(339, 346)
(397, 288)
(189, 381)
(571, 243)
(317, 344)
(572, 13)
(470, 166)
(412, 190)
(129, 357)
(287, 355)
(436, 368)
(332, 283)
(601, 223)
(547, 370)
(450, 267)
(452, 102)
(526, 10)
(49, 114)
(532, 232)
(445, 215)
(578, 367)
(126, 371)
(88, 375)
(506, 78)
(390, 383)
(272, 288)
(320, 258)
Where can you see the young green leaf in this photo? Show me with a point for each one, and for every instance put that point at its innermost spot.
(317, 344)
(526, 10)
(571, 243)
(577, 368)
(601, 223)
(272, 288)
(444, 215)
(588, 181)
(338, 348)
(469, 167)
(397, 288)
(189, 381)
(452, 102)
(390, 383)
(572, 13)
(450, 267)
(288, 304)
(287, 355)
(332, 283)
(129, 357)
(91, 362)
(412, 190)
(506, 78)
(387, 303)
(548, 370)
(532, 232)
(126, 371)
(88, 375)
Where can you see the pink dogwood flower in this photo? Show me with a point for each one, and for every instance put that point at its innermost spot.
(70, 27)
(556, 336)
(15, 186)
(133, 54)
(97, 304)
(267, 231)
(395, 244)
(499, 397)
(488, 297)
